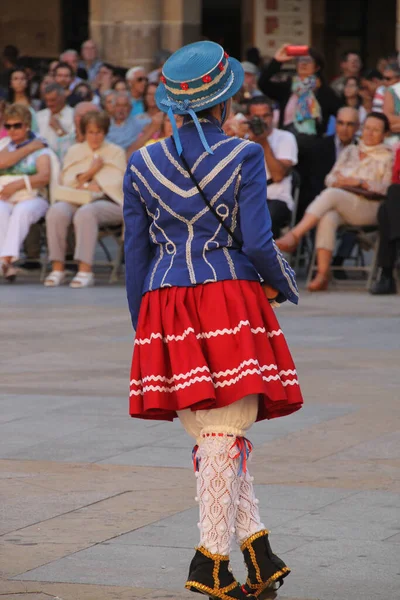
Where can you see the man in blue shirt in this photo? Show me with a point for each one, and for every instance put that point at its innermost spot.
(136, 79)
(125, 128)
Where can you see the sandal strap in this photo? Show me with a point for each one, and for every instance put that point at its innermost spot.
(82, 278)
(55, 278)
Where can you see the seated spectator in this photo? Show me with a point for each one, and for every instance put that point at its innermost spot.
(71, 58)
(352, 98)
(125, 129)
(370, 81)
(82, 93)
(350, 66)
(63, 76)
(253, 55)
(120, 85)
(159, 60)
(305, 101)
(18, 93)
(104, 79)
(98, 167)
(137, 80)
(25, 169)
(280, 152)
(52, 68)
(89, 60)
(391, 76)
(361, 171)
(165, 131)
(391, 108)
(150, 105)
(320, 157)
(108, 102)
(381, 64)
(57, 120)
(389, 235)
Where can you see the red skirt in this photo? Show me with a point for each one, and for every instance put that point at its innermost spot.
(208, 346)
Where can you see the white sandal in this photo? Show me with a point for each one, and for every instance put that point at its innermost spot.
(82, 280)
(55, 279)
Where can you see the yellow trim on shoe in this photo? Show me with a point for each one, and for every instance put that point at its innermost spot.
(256, 590)
(254, 537)
(194, 586)
(208, 554)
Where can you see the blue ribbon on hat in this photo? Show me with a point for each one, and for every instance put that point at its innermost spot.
(184, 106)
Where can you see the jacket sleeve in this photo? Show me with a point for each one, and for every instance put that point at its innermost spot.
(255, 225)
(278, 90)
(137, 246)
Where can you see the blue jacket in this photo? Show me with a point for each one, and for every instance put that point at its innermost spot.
(173, 239)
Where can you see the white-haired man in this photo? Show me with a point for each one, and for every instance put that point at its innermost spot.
(137, 79)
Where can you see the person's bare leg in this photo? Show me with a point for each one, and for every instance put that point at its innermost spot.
(321, 280)
(57, 265)
(84, 268)
(289, 241)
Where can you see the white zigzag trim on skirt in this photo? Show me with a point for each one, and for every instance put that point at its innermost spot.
(215, 375)
(206, 335)
(209, 377)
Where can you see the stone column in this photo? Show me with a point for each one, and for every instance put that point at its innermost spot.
(130, 32)
(181, 23)
(127, 32)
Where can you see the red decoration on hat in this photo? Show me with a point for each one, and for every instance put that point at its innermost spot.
(184, 86)
(221, 66)
(226, 55)
(207, 78)
(162, 79)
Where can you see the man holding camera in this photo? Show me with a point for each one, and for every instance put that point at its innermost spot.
(280, 151)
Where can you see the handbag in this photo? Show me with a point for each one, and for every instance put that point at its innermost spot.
(21, 195)
(63, 193)
(269, 292)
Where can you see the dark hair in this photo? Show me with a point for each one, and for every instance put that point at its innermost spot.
(11, 53)
(259, 100)
(317, 57)
(370, 74)
(253, 55)
(87, 96)
(101, 119)
(381, 117)
(109, 66)
(64, 65)
(345, 55)
(11, 93)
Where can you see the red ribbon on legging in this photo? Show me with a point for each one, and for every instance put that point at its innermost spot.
(244, 447)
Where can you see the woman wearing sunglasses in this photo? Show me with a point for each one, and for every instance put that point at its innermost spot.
(137, 80)
(24, 171)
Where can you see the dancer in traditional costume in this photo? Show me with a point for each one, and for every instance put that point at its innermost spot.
(208, 348)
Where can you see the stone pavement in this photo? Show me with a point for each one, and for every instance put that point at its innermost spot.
(96, 506)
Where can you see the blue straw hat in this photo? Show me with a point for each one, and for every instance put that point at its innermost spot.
(196, 77)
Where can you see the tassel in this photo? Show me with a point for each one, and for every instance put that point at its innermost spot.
(195, 459)
(244, 448)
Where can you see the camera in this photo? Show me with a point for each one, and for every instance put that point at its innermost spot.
(257, 125)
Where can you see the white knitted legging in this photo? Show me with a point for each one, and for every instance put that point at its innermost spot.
(228, 507)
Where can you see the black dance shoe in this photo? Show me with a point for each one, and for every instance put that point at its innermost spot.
(209, 574)
(266, 571)
(384, 285)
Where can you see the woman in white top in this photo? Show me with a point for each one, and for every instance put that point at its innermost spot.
(21, 181)
(361, 172)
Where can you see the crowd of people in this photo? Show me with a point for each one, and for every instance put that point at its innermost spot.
(67, 129)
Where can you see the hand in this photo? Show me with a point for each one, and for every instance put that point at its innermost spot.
(258, 139)
(54, 123)
(8, 190)
(97, 164)
(37, 145)
(270, 292)
(281, 55)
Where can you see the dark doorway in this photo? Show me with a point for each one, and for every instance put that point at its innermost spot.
(365, 26)
(221, 23)
(74, 23)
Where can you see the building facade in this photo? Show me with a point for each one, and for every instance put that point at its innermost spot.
(130, 32)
